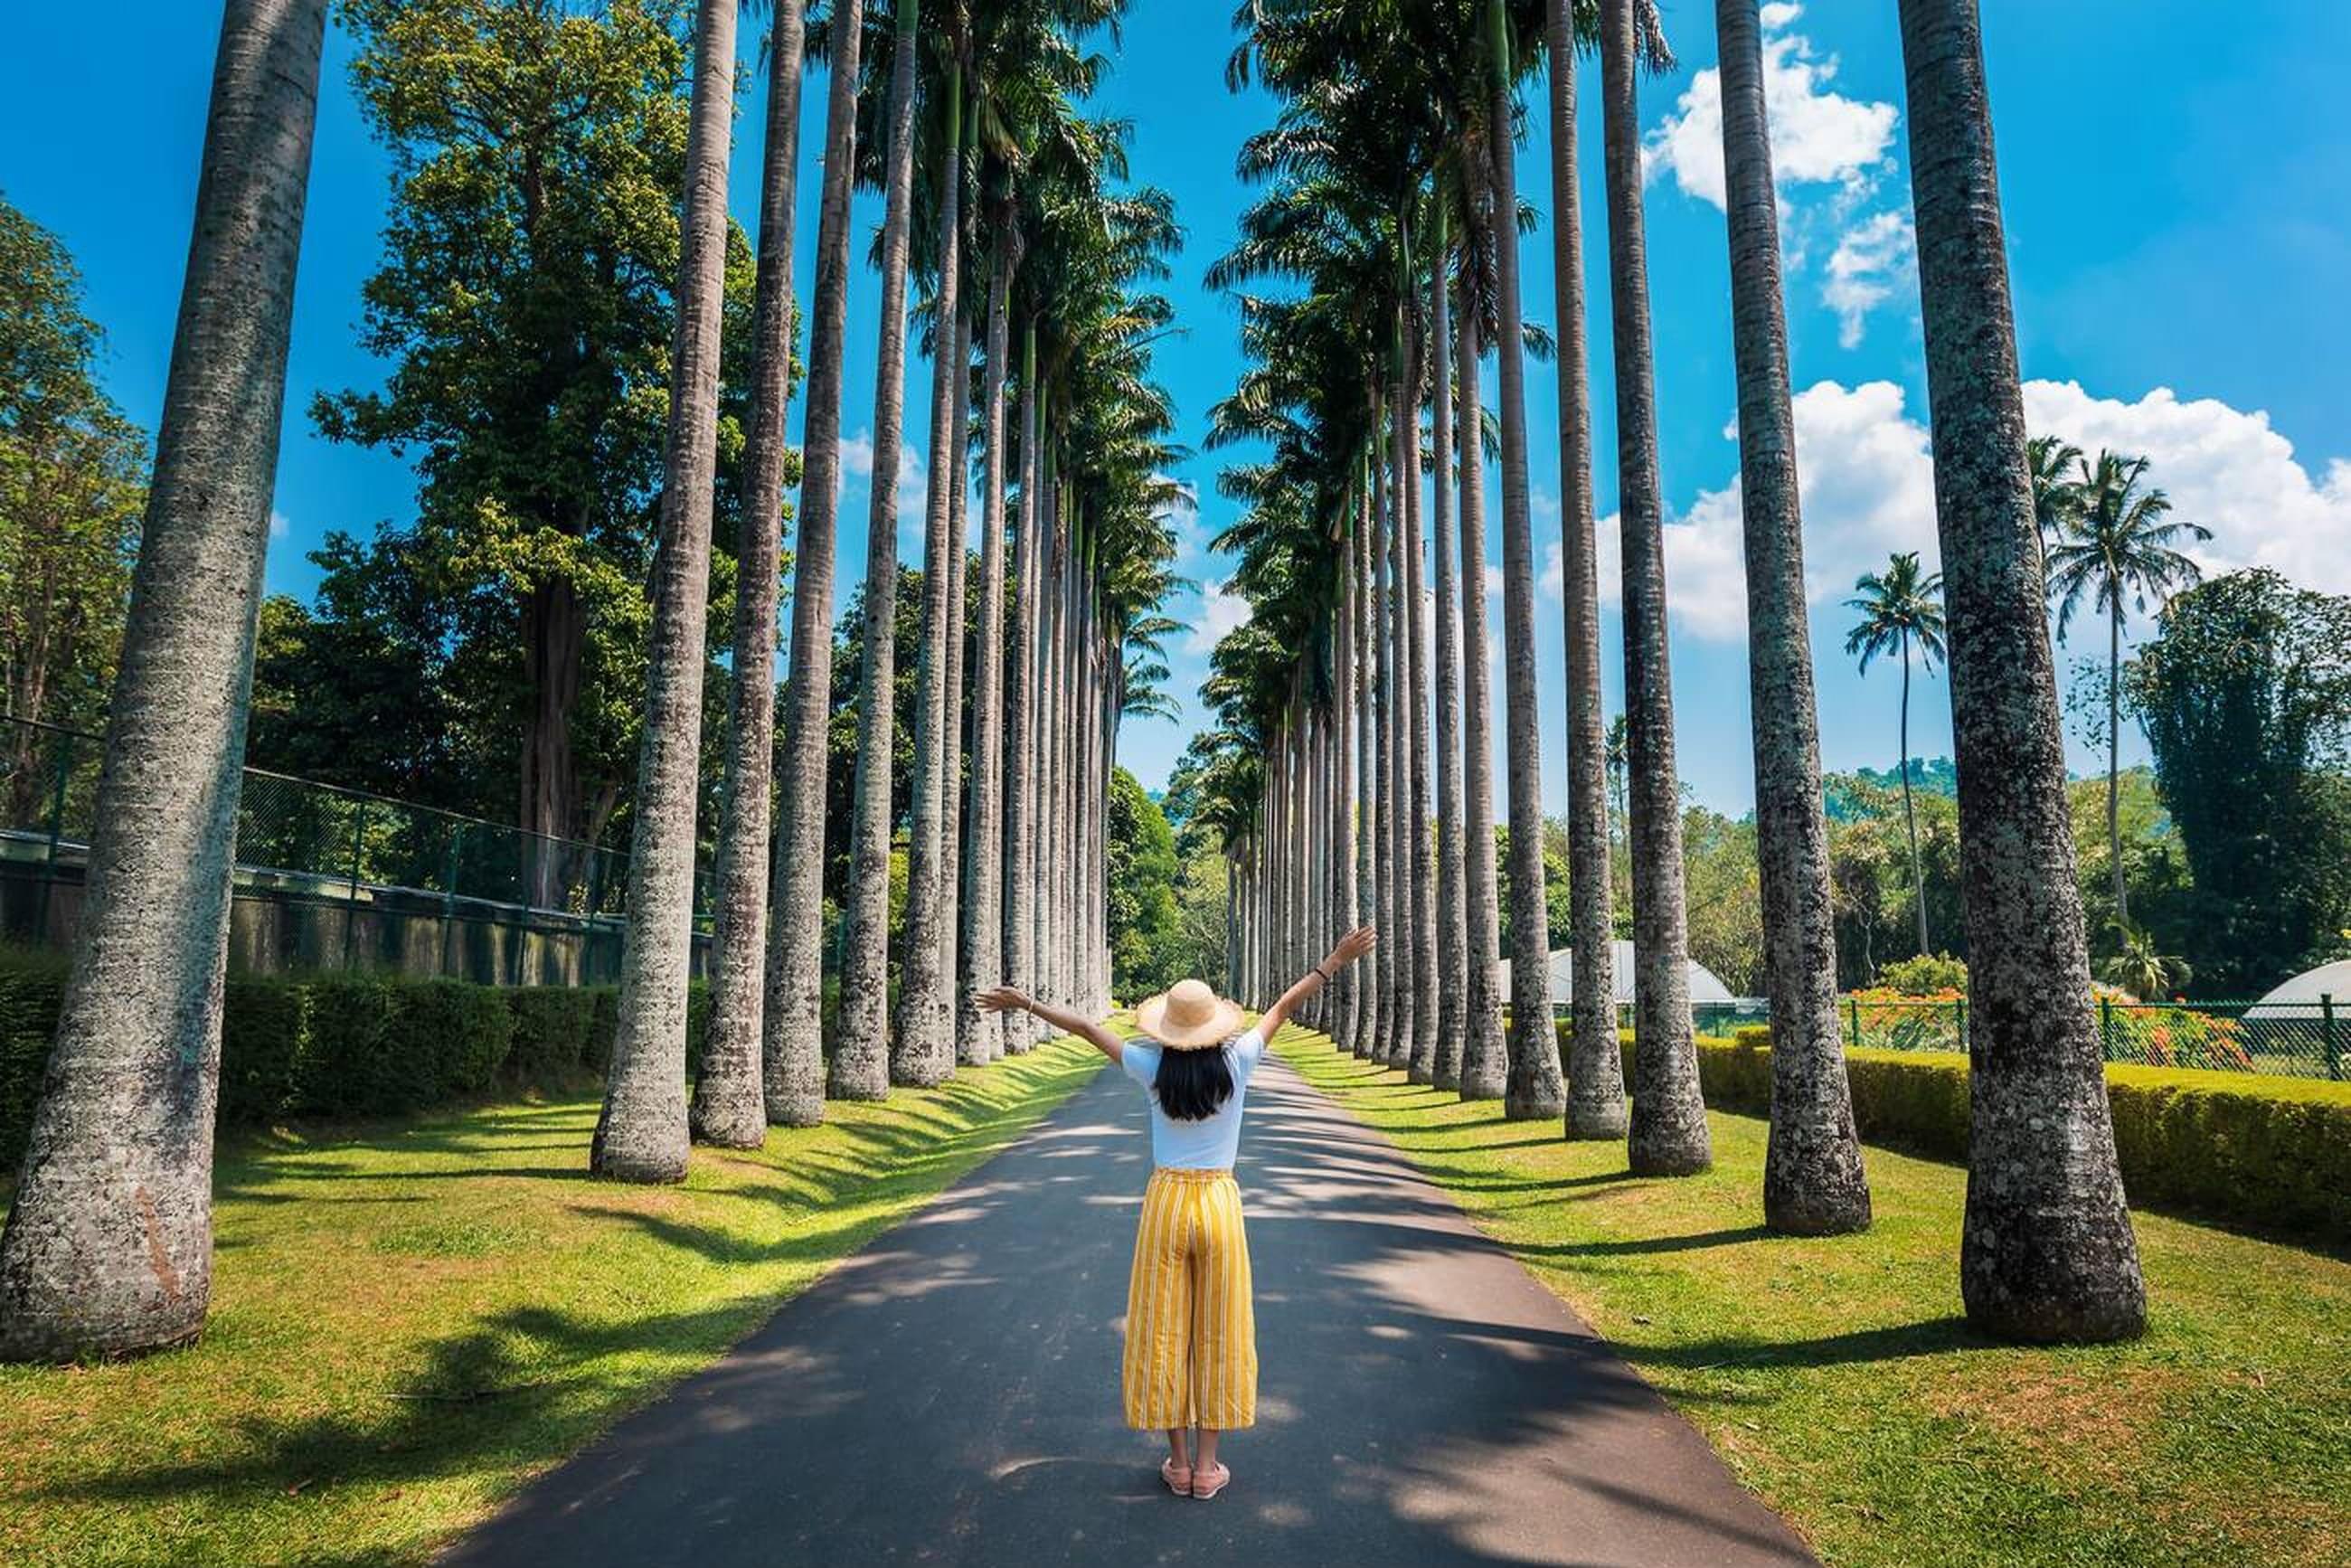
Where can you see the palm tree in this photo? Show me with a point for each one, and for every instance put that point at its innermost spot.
(107, 1248)
(1812, 1177)
(1485, 1058)
(1452, 961)
(1900, 608)
(924, 1052)
(793, 1054)
(2141, 967)
(641, 1135)
(1595, 1081)
(860, 1055)
(2046, 1251)
(2056, 492)
(1535, 1091)
(1666, 1134)
(2114, 545)
(729, 1108)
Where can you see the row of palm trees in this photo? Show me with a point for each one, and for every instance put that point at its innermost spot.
(1004, 203)
(1391, 222)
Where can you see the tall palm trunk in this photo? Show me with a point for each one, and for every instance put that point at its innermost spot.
(729, 1106)
(861, 1054)
(1368, 970)
(952, 843)
(1414, 630)
(1668, 1132)
(2047, 1250)
(2115, 758)
(1344, 916)
(107, 1250)
(1595, 1063)
(1452, 981)
(1812, 1177)
(922, 1053)
(1383, 1034)
(641, 1135)
(983, 896)
(1485, 1058)
(1535, 1091)
(1400, 824)
(794, 1025)
(1910, 812)
(1019, 764)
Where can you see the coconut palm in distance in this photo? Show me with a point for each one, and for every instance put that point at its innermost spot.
(1595, 1081)
(2115, 548)
(1667, 1132)
(107, 1250)
(2046, 1249)
(2141, 967)
(1901, 609)
(643, 1134)
(1812, 1177)
(2055, 493)
(729, 1107)
(793, 1047)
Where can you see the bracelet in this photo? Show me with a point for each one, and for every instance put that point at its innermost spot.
(1326, 980)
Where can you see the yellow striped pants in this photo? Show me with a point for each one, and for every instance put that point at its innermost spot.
(1191, 1328)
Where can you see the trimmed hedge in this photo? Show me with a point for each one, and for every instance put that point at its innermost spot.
(2263, 1151)
(345, 1045)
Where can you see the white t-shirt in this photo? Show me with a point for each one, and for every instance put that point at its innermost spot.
(1210, 1142)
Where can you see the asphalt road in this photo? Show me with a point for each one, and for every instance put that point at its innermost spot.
(950, 1395)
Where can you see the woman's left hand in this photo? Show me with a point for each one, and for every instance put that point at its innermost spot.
(1001, 998)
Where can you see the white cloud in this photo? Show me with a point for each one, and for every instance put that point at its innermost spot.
(1868, 489)
(1818, 136)
(280, 525)
(1220, 613)
(2222, 466)
(1870, 259)
(914, 485)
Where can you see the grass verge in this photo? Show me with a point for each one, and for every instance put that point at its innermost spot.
(408, 1320)
(1838, 1380)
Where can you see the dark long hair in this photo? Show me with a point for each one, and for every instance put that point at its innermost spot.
(1191, 1084)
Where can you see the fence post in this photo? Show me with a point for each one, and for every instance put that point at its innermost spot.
(449, 891)
(2333, 1046)
(1959, 1023)
(351, 900)
(1853, 1016)
(2106, 1027)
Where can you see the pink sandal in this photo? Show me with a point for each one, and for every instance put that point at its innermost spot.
(1224, 1477)
(1169, 1470)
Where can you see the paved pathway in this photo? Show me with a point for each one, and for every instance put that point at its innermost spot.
(950, 1396)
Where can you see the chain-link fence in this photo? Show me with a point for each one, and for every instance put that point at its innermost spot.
(334, 878)
(2294, 1039)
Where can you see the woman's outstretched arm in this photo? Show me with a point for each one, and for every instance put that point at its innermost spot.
(1004, 998)
(1352, 946)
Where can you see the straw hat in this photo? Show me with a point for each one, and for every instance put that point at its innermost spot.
(1188, 1016)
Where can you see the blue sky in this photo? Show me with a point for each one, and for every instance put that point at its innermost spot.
(2178, 206)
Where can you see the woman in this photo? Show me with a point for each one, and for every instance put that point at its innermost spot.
(1191, 1330)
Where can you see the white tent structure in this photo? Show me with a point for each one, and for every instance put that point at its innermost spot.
(2299, 998)
(1704, 987)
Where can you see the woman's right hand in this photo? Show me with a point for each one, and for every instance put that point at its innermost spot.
(1354, 945)
(1002, 999)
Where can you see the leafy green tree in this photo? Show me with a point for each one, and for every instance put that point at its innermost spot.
(72, 487)
(2243, 695)
(526, 305)
(1144, 922)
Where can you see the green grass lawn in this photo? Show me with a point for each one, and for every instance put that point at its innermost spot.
(1839, 1381)
(408, 1320)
